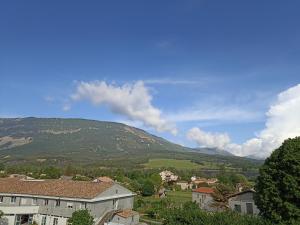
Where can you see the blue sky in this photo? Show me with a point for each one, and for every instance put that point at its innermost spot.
(222, 61)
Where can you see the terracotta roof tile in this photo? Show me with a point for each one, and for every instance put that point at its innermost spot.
(206, 190)
(53, 188)
(127, 213)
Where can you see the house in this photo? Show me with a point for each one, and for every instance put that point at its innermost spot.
(168, 176)
(243, 202)
(198, 180)
(126, 217)
(52, 202)
(103, 179)
(203, 197)
(184, 185)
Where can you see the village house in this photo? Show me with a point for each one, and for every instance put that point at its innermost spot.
(52, 202)
(243, 202)
(198, 180)
(168, 176)
(184, 185)
(203, 197)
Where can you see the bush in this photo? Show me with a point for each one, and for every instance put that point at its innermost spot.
(81, 217)
(190, 214)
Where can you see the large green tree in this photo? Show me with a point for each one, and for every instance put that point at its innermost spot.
(278, 184)
(81, 217)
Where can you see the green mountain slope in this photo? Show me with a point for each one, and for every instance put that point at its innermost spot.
(76, 136)
(89, 141)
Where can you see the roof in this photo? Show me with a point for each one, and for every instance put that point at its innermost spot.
(127, 213)
(242, 192)
(105, 179)
(206, 190)
(53, 188)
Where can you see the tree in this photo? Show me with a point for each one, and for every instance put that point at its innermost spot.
(81, 217)
(147, 188)
(220, 196)
(278, 184)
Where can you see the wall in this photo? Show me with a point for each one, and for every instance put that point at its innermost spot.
(203, 200)
(241, 200)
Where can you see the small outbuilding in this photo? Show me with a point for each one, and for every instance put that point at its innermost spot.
(243, 203)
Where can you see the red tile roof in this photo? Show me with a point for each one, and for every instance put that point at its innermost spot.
(206, 190)
(127, 213)
(53, 188)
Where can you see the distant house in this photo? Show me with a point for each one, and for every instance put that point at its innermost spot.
(184, 185)
(103, 179)
(168, 176)
(243, 202)
(52, 202)
(203, 197)
(198, 180)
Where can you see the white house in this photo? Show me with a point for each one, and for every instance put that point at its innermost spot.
(203, 197)
(52, 202)
(168, 176)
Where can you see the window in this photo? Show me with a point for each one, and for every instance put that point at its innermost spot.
(1, 199)
(44, 220)
(57, 202)
(13, 199)
(34, 201)
(46, 202)
(83, 205)
(70, 205)
(237, 208)
(55, 221)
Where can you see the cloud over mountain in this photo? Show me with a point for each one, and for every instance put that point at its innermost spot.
(283, 121)
(130, 100)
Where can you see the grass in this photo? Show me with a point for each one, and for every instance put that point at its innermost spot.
(180, 197)
(168, 163)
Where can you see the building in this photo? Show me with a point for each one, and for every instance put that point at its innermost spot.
(168, 176)
(184, 185)
(198, 180)
(203, 197)
(126, 217)
(243, 202)
(52, 202)
(103, 179)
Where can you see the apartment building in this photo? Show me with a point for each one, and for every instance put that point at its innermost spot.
(52, 202)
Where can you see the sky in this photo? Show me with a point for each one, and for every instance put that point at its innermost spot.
(199, 73)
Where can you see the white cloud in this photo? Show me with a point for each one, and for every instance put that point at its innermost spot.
(215, 113)
(131, 100)
(283, 121)
(206, 139)
(66, 107)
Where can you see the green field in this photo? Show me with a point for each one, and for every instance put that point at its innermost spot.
(168, 163)
(180, 197)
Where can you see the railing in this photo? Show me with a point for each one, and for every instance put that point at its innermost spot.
(106, 217)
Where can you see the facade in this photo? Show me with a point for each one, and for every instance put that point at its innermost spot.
(52, 202)
(243, 203)
(126, 217)
(203, 197)
(198, 180)
(184, 185)
(168, 176)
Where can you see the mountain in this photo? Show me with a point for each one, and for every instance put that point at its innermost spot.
(213, 151)
(39, 136)
(89, 141)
